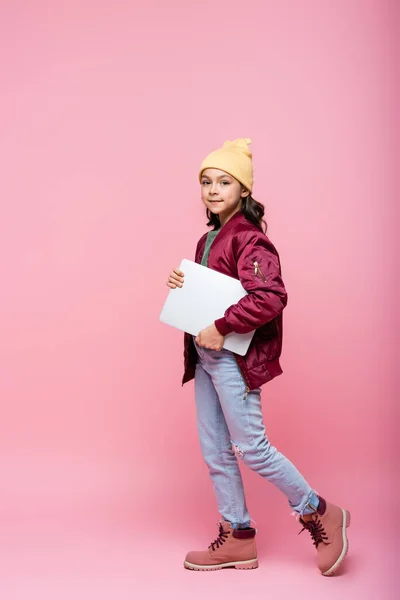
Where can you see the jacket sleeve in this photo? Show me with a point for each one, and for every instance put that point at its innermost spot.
(260, 274)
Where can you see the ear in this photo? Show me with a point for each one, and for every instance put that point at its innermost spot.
(244, 193)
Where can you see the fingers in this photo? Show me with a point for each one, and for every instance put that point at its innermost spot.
(175, 279)
(216, 347)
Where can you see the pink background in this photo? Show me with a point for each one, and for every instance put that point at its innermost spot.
(107, 109)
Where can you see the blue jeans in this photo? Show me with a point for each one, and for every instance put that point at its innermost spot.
(230, 426)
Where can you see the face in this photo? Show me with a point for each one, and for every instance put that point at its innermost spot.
(221, 193)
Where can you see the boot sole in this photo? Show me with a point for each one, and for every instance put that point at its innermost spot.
(238, 564)
(346, 523)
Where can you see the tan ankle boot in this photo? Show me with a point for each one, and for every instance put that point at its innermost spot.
(232, 548)
(327, 527)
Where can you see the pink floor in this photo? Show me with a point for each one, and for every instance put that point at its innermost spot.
(81, 542)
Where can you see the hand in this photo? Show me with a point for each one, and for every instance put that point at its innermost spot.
(210, 338)
(175, 279)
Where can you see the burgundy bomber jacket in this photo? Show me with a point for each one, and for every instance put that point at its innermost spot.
(244, 252)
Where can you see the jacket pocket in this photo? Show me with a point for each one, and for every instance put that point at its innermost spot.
(269, 336)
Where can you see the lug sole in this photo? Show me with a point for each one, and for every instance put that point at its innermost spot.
(237, 564)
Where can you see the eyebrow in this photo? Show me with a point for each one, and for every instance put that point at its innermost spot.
(219, 176)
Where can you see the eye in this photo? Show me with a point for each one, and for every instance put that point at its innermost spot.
(225, 182)
(205, 182)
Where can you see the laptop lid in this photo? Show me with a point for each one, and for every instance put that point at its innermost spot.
(204, 297)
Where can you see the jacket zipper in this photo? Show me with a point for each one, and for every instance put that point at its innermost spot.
(257, 271)
(244, 379)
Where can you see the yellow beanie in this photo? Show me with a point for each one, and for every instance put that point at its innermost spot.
(233, 158)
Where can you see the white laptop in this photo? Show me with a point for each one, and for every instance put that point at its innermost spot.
(203, 298)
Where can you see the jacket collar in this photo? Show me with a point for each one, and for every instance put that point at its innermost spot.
(233, 221)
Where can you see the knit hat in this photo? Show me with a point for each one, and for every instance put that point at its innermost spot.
(233, 158)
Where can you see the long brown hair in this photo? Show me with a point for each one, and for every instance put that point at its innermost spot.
(253, 211)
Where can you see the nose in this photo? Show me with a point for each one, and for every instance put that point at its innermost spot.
(213, 189)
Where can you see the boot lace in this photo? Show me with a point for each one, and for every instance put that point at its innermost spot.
(222, 537)
(316, 530)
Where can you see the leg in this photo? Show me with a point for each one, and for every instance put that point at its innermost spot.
(217, 452)
(243, 417)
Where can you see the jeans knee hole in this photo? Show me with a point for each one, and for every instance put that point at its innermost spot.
(237, 450)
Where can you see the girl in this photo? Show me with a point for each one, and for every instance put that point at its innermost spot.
(227, 386)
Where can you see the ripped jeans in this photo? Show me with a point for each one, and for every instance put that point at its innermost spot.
(230, 426)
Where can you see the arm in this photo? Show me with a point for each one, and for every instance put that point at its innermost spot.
(259, 273)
